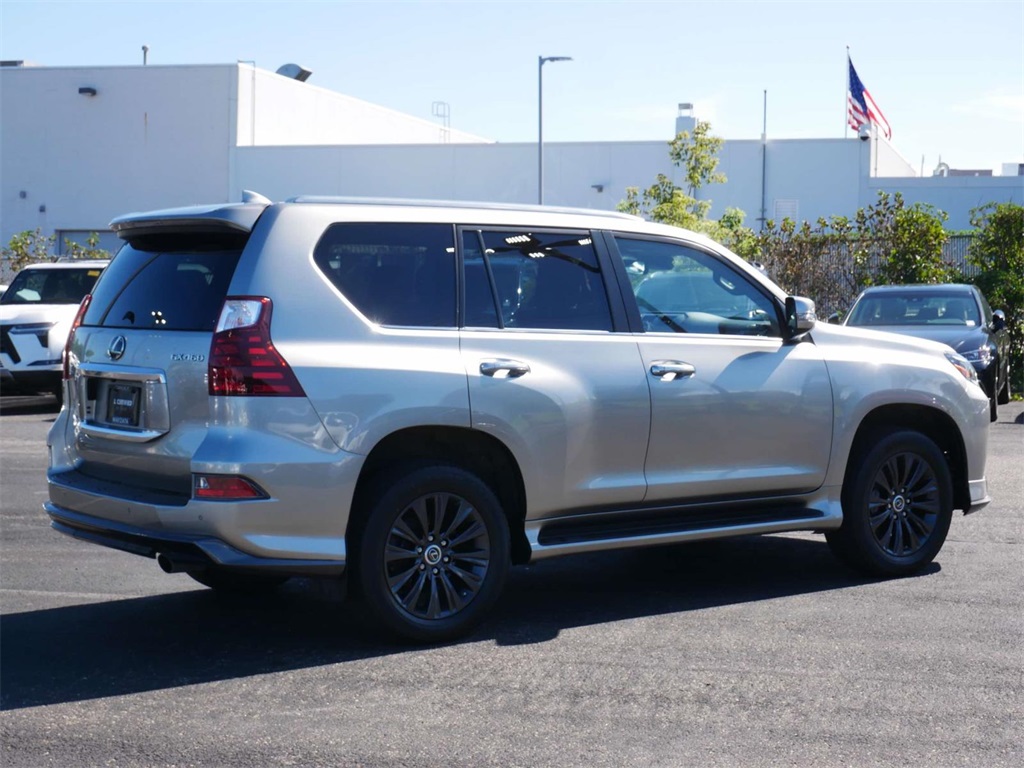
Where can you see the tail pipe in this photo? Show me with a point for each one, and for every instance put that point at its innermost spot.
(178, 563)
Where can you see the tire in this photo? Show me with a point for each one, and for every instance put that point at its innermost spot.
(227, 582)
(898, 477)
(433, 552)
(993, 409)
(1004, 391)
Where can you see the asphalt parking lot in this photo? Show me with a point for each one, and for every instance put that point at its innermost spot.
(748, 652)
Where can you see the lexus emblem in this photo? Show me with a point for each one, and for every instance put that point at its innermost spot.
(116, 349)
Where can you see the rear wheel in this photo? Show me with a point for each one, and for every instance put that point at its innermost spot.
(237, 583)
(433, 553)
(897, 505)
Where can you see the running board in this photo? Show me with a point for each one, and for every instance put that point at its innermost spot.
(592, 533)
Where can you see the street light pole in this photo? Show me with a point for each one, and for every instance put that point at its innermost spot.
(540, 121)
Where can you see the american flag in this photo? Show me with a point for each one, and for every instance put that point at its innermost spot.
(861, 108)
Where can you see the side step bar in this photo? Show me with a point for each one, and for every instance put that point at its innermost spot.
(612, 530)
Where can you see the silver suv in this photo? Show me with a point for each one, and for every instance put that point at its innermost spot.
(419, 395)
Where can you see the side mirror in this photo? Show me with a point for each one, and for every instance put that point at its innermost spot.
(998, 320)
(834, 318)
(800, 316)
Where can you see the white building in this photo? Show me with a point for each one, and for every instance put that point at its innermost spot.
(80, 145)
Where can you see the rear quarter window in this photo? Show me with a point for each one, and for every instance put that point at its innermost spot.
(394, 274)
(165, 290)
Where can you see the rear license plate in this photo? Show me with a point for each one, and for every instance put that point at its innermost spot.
(123, 405)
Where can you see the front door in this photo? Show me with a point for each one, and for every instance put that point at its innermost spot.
(736, 410)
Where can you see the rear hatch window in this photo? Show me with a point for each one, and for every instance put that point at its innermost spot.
(162, 290)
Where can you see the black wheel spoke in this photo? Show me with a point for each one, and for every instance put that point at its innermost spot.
(469, 534)
(437, 556)
(903, 504)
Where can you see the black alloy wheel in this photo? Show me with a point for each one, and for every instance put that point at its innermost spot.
(897, 504)
(433, 551)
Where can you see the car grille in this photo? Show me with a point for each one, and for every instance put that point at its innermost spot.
(6, 347)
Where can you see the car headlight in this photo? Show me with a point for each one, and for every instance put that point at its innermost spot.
(963, 365)
(982, 356)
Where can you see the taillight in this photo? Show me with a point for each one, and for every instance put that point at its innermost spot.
(65, 357)
(243, 360)
(225, 488)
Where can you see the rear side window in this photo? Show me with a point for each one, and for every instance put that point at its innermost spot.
(544, 280)
(165, 290)
(394, 274)
(51, 286)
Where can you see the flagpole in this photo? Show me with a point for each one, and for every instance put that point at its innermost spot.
(846, 96)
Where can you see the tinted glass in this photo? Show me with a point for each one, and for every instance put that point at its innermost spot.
(51, 286)
(395, 274)
(172, 291)
(682, 290)
(481, 310)
(545, 280)
(916, 308)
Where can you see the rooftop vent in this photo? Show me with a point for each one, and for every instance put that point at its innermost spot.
(295, 72)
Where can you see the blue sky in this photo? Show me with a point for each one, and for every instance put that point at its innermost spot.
(949, 76)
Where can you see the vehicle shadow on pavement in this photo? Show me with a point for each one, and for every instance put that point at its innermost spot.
(128, 646)
(28, 405)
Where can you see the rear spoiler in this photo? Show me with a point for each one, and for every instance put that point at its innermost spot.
(231, 221)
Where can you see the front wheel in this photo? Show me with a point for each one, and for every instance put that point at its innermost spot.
(1004, 391)
(897, 505)
(434, 552)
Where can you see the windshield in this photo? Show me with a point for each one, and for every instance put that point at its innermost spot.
(51, 286)
(916, 308)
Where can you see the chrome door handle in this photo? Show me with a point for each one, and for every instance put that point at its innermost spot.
(671, 370)
(511, 368)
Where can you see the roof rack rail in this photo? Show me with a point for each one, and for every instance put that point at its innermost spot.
(332, 200)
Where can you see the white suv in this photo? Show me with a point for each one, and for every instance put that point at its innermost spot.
(36, 312)
(419, 396)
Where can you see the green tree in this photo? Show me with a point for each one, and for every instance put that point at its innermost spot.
(665, 202)
(668, 203)
(33, 246)
(903, 242)
(997, 250)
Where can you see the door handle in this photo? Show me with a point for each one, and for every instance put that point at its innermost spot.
(512, 368)
(670, 370)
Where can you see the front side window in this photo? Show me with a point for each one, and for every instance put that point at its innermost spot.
(51, 286)
(536, 280)
(394, 274)
(680, 289)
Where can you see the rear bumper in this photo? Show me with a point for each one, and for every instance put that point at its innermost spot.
(186, 551)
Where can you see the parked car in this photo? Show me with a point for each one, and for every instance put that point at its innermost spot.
(956, 315)
(419, 396)
(36, 312)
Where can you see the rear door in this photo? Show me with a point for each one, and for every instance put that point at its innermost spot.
(550, 374)
(139, 396)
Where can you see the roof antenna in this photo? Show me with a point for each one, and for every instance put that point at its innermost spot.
(145, 54)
